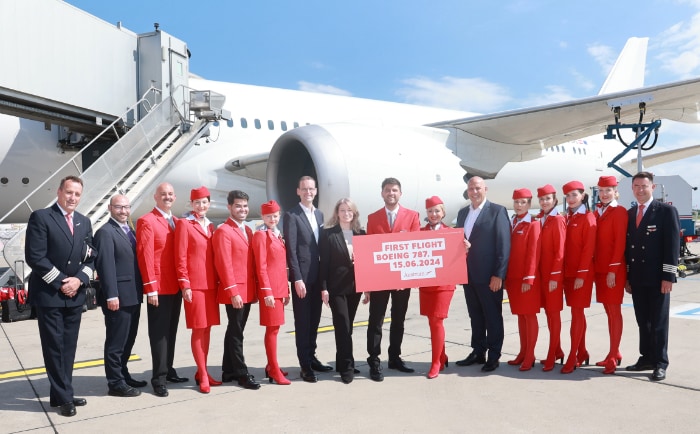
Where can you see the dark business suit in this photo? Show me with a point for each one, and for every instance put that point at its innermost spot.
(118, 271)
(337, 275)
(55, 254)
(303, 262)
(652, 256)
(487, 257)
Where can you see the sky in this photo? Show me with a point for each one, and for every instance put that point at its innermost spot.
(467, 55)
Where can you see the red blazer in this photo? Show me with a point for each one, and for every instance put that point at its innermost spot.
(234, 262)
(524, 254)
(406, 221)
(155, 249)
(551, 247)
(194, 256)
(580, 246)
(270, 264)
(611, 236)
(436, 288)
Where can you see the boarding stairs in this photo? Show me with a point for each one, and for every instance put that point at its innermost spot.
(128, 167)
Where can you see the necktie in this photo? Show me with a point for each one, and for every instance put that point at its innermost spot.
(171, 222)
(69, 220)
(391, 220)
(245, 235)
(640, 214)
(130, 234)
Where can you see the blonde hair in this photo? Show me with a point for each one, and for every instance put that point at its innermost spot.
(355, 224)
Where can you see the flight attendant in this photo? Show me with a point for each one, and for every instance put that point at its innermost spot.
(521, 278)
(194, 258)
(273, 290)
(610, 266)
(551, 270)
(578, 269)
(435, 300)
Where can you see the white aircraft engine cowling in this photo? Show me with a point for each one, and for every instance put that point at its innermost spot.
(351, 160)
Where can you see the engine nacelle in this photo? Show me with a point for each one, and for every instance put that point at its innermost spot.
(351, 160)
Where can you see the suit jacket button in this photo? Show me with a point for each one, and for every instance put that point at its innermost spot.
(68, 262)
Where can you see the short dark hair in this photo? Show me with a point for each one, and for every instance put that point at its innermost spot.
(236, 194)
(71, 178)
(391, 181)
(644, 175)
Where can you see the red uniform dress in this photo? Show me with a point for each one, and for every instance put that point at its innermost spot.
(578, 257)
(522, 266)
(435, 300)
(551, 266)
(610, 253)
(194, 258)
(235, 263)
(271, 270)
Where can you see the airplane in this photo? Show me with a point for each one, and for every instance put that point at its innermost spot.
(351, 144)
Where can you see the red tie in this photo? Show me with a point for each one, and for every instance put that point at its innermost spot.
(69, 220)
(640, 214)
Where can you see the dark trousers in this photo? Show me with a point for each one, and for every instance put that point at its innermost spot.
(162, 331)
(485, 309)
(307, 316)
(378, 302)
(344, 308)
(651, 308)
(121, 327)
(58, 332)
(233, 364)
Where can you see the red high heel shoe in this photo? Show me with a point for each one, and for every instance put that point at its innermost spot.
(517, 360)
(560, 355)
(278, 377)
(443, 362)
(527, 365)
(618, 360)
(435, 370)
(570, 365)
(610, 365)
(582, 359)
(212, 381)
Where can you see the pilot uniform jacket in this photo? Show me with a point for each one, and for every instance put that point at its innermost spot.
(337, 273)
(117, 267)
(609, 255)
(551, 265)
(234, 261)
(270, 264)
(522, 266)
(302, 248)
(155, 248)
(578, 257)
(407, 220)
(652, 248)
(54, 254)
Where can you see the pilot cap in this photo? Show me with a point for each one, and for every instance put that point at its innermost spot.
(270, 207)
(522, 193)
(573, 185)
(199, 193)
(547, 189)
(432, 201)
(607, 181)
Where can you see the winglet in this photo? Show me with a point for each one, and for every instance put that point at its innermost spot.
(628, 71)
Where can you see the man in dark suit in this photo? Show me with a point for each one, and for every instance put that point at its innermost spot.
(653, 245)
(155, 249)
(58, 247)
(120, 295)
(391, 218)
(302, 226)
(487, 228)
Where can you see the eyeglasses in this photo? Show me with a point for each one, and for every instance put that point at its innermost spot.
(121, 207)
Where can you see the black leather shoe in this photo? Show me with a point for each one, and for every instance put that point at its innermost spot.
(160, 391)
(375, 372)
(347, 377)
(308, 375)
(248, 382)
(173, 378)
(641, 365)
(490, 365)
(317, 366)
(658, 374)
(124, 391)
(355, 371)
(68, 410)
(78, 402)
(399, 365)
(471, 359)
(136, 383)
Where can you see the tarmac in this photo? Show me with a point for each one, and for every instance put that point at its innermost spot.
(461, 399)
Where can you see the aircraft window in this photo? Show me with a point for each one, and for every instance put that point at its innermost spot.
(558, 148)
(244, 123)
(283, 125)
(563, 149)
(257, 124)
(296, 124)
(270, 125)
(584, 151)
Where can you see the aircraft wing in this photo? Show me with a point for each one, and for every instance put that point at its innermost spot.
(664, 157)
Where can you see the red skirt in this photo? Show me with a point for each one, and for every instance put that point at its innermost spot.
(435, 301)
(523, 303)
(580, 297)
(272, 316)
(606, 295)
(203, 311)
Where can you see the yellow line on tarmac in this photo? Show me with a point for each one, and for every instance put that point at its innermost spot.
(42, 370)
(329, 328)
